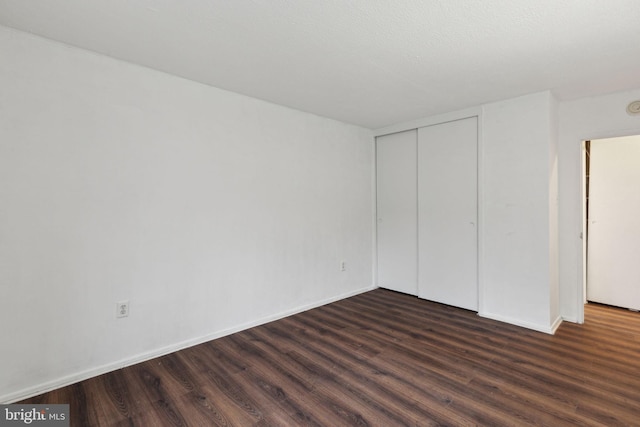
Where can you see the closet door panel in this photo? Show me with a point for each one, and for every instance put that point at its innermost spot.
(447, 218)
(396, 177)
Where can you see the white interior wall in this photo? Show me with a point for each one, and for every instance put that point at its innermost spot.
(579, 120)
(209, 211)
(517, 273)
(554, 239)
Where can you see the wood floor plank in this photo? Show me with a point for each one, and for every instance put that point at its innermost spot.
(380, 359)
(347, 365)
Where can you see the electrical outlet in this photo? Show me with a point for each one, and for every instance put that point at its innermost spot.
(343, 266)
(122, 309)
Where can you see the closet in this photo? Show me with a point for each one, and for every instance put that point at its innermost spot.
(427, 202)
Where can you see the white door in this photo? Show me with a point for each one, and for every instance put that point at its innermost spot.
(448, 211)
(397, 211)
(613, 265)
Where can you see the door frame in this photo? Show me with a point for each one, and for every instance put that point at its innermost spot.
(582, 248)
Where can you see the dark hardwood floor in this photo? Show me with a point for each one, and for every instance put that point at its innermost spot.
(380, 359)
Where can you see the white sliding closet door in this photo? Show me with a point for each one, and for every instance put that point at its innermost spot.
(448, 212)
(397, 211)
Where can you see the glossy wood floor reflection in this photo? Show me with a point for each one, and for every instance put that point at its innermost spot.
(381, 359)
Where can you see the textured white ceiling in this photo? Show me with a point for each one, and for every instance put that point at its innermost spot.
(369, 62)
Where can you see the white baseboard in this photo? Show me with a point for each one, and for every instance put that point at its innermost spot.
(547, 329)
(556, 324)
(571, 319)
(93, 372)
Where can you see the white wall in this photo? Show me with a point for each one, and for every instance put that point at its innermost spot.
(209, 211)
(519, 280)
(555, 317)
(587, 118)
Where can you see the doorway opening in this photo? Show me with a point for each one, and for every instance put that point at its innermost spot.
(611, 231)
